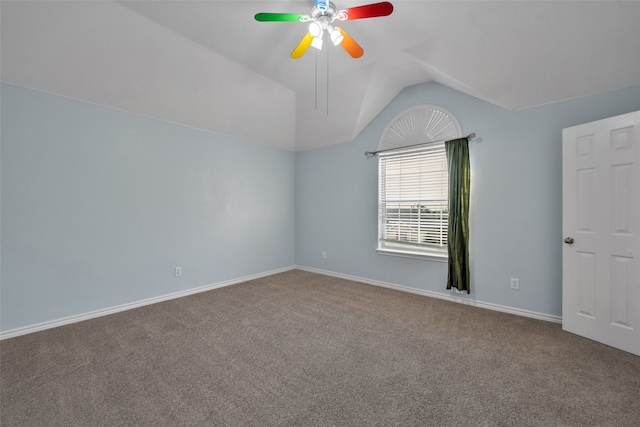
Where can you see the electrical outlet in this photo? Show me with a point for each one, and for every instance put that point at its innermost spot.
(177, 271)
(324, 255)
(515, 283)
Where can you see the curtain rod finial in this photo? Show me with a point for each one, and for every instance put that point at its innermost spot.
(471, 136)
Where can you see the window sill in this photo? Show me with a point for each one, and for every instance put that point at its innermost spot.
(417, 255)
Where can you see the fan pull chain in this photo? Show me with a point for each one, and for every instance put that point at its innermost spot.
(316, 93)
(328, 82)
(316, 81)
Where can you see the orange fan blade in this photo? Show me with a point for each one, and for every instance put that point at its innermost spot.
(350, 45)
(302, 46)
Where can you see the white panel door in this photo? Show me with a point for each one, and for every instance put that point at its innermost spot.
(601, 227)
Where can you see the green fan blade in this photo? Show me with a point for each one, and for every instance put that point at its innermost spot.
(281, 17)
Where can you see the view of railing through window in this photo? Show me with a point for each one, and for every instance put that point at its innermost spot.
(417, 223)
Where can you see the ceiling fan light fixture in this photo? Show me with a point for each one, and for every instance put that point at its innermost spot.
(317, 43)
(321, 18)
(315, 29)
(336, 36)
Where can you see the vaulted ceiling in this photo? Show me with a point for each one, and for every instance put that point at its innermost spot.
(210, 65)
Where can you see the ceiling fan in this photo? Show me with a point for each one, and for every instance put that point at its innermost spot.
(321, 19)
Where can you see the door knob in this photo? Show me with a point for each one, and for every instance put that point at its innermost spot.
(568, 240)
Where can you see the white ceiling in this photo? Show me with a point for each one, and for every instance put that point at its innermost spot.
(210, 65)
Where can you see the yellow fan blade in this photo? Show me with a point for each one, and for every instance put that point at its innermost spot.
(350, 45)
(302, 46)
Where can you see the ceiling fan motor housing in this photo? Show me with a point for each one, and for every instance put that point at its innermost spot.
(323, 4)
(329, 11)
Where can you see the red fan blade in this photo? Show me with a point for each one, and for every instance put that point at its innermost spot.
(350, 45)
(302, 46)
(370, 10)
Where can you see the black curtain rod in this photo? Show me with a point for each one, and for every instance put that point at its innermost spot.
(373, 153)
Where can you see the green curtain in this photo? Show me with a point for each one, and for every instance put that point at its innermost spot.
(458, 231)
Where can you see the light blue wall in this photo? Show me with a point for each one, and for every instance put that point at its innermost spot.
(516, 201)
(98, 206)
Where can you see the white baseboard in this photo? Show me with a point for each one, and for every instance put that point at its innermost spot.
(129, 306)
(453, 298)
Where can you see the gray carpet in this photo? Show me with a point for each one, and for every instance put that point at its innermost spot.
(301, 349)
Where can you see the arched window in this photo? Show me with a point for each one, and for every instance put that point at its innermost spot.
(413, 183)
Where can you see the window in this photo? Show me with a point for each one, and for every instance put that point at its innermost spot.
(413, 190)
(413, 184)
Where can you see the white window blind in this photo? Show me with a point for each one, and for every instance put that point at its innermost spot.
(413, 209)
